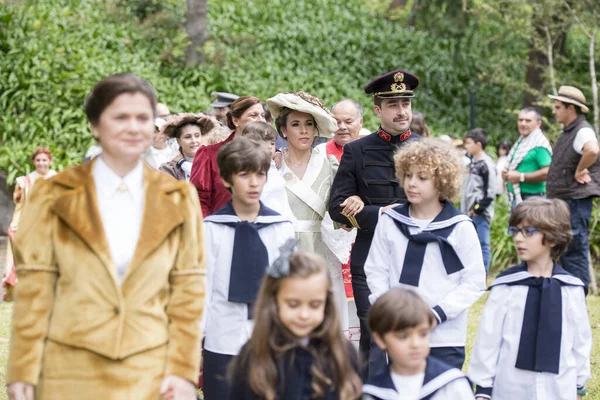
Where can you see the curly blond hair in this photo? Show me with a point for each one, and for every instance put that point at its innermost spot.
(437, 160)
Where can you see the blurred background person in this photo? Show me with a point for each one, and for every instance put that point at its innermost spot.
(159, 152)
(348, 116)
(502, 150)
(205, 171)
(42, 158)
(220, 105)
(191, 131)
(418, 125)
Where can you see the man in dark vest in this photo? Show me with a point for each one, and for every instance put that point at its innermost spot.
(574, 175)
(367, 170)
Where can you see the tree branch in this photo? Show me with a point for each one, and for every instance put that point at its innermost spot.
(577, 19)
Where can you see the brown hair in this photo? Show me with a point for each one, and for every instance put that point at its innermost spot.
(41, 150)
(551, 217)
(281, 119)
(436, 159)
(418, 124)
(111, 87)
(398, 309)
(260, 131)
(242, 154)
(270, 339)
(239, 107)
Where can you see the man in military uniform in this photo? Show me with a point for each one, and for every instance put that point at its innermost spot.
(221, 103)
(367, 170)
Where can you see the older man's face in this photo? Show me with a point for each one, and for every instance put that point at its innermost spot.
(528, 122)
(348, 122)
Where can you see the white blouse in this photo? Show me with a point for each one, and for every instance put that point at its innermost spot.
(121, 206)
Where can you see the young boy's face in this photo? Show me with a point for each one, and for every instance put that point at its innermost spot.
(408, 348)
(531, 248)
(272, 146)
(246, 187)
(420, 187)
(471, 147)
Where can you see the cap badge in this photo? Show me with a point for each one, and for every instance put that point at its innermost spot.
(398, 87)
(398, 77)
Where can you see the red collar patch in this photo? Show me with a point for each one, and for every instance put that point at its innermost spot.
(405, 136)
(384, 135)
(388, 138)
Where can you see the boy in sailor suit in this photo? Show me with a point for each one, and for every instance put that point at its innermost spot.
(429, 246)
(241, 240)
(534, 339)
(401, 322)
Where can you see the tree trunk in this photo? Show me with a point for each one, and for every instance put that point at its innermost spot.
(536, 66)
(196, 29)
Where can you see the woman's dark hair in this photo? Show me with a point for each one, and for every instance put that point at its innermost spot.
(239, 107)
(503, 145)
(418, 124)
(109, 88)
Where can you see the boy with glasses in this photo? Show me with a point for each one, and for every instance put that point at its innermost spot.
(534, 339)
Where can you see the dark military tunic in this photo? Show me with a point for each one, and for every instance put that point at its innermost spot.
(367, 170)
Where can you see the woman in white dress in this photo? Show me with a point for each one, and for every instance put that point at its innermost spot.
(308, 176)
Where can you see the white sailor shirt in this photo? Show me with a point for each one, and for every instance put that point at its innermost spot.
(496, 347)
(449, 295)
(225, 324)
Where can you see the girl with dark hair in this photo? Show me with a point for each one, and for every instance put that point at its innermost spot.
(192, 131)
(205, 172)
(296, 350)
(111, 269)
(501, 164)
(42, 158)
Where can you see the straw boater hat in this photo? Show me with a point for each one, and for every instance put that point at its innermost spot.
(304, 102)
(571, 95)
(205, 123)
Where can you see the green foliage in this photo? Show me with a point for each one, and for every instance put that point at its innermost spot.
(503, 250)
(52, 52)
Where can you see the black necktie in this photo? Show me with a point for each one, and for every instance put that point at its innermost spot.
(415, 252)
(541, 333)
(248, 264)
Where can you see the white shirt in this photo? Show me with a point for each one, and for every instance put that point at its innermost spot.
(274, 194)
(453, 293)
(121, 206)
(225, 324)
(156, 157)
(583, 136)
(496, 347)
(408, 386)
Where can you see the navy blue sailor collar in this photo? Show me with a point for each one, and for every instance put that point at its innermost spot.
(449, 216)
(519, 273)
(437, 375)
(227, 215)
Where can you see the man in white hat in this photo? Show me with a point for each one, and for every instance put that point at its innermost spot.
(574, 174)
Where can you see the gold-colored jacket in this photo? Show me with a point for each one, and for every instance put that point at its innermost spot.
(68, 291)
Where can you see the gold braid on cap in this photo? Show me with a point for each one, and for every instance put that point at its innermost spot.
(309, 98)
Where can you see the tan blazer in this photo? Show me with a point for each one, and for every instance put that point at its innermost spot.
(68, 292)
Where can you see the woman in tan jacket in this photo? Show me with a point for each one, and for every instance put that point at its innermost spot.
(111, 269)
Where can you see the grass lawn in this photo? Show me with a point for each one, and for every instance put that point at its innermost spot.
(476, 310)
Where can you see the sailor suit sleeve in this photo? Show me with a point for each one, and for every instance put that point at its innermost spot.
(582, 343)
(211, 257)
(472, 278)
(344, 186)
(457, 389)
(379, 260)
(486, 352)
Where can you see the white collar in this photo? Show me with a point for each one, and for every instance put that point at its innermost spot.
(109, 183)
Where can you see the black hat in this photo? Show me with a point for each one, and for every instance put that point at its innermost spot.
(222, 99)
(393, 85)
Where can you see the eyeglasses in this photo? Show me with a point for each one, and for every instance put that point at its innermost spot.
(527, 231)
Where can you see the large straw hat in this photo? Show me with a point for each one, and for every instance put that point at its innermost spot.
(571, 95)
(205, 123)
(304, 102)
